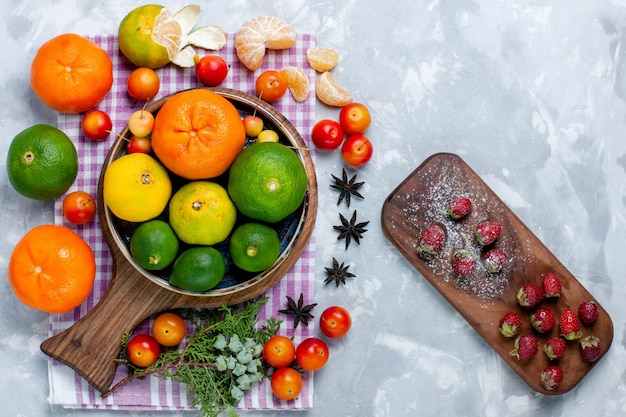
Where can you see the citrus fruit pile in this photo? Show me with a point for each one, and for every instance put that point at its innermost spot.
(208, 198)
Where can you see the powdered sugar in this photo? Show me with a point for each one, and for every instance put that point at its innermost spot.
(427, 203)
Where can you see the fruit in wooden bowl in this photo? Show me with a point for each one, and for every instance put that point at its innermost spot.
(293, 230)
(134, 293)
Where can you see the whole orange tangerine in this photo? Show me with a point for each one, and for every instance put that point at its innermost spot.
(71, 74)
(52, 269)
(198, 134)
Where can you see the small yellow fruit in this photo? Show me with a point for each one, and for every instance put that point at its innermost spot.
(136, 187)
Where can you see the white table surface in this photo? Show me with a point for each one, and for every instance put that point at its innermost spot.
(531, 96)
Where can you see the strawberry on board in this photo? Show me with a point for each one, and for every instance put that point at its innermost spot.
(554, 348)
(459, 207)
(463, 259)
(494, 260)
(526, 347)
(487, 232)
(588, 311)
(551, 285)
(431, 241)
(510, 324)
(542, 319)
(551, 377)
(590, 348)
(570, 325)
(530, 295)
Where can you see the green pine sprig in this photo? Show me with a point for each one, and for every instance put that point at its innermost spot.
(221, 359)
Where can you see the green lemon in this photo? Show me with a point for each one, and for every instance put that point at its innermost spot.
(198, 269)
(267, 181)
(202, 213)
(254, 247)
(154, 245)
(42, 162)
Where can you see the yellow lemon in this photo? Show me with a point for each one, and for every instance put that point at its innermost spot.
(136, 187)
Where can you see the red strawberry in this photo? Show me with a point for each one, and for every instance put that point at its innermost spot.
(590, 348)
(551, 377)
(431, 241)
(530, 295)
(588, 311)
(463, 259)
(542, 319)
(463, 262)
(551, 285)
(526, 347)
(510, 324)
(554, 348)
(487, 232)
(570, 325)
(494, 260)
(459, 208)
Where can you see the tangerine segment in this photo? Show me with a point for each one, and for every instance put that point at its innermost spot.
(198, 134)
(52, 269)
(71, 74)
(322, 59)
(297, 82)
(331, 93)
(261, 33)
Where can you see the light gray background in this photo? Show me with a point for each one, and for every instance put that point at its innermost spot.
(531, 96)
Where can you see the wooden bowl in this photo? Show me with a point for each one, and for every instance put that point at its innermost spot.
(91, 344)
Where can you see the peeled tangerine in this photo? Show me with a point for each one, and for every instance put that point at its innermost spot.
(297, 82)
(261, 33)
(152, 36)
(331, 93)
(322, 59)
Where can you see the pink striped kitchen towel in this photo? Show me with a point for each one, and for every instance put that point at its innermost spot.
(69, 389)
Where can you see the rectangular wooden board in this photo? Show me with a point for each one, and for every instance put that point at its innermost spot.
(483, 298)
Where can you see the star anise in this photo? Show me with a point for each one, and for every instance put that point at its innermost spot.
(300, 311)
(350, 230)
(347, 188)
(338, 273)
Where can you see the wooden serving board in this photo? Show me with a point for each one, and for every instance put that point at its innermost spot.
(483, 298)
(92, 344)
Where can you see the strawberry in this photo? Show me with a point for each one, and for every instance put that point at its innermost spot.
(590, 348)
(431, 241)
(526, 347)
(494, 260)
(459, 207)
(570, 325)
(463, 262)
(551, 285)
(588, 311)
(530, 295)
(510, 324)
(554, 348)
(542, 319)
(487, 232)
(551, 377)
